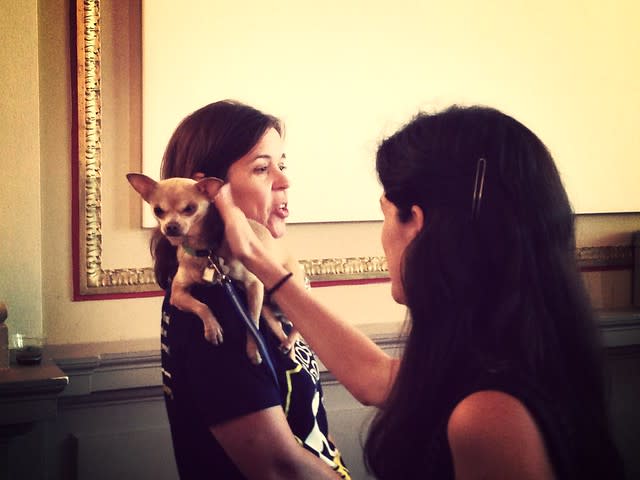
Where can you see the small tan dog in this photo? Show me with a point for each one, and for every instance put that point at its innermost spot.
(181, 206)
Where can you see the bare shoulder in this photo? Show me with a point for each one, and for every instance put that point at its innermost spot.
(489, 412)
(493, 435)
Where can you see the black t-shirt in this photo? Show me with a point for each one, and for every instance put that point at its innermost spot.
(205, 385)
(569, 454)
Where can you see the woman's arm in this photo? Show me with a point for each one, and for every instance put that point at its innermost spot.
(262, 446)
(492, 435)
(356, 361)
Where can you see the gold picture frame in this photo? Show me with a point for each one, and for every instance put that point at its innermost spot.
(91, 280)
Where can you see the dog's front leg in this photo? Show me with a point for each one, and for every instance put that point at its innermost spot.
(286, 341)
(182, 299)
(255, 295)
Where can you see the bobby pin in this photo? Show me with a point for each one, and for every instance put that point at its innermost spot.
(478, 187)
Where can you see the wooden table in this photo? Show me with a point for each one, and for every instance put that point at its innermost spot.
(28, 394)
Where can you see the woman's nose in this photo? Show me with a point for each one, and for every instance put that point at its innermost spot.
(281, 181)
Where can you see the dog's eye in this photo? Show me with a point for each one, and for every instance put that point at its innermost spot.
(189, 209)
(158, 212)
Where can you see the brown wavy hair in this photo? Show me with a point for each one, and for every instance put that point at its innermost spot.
(207, 141)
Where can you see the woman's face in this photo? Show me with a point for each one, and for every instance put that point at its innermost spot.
(259, 184)
(395, 237)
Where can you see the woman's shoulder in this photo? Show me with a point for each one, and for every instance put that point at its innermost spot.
(493, 431)
(488, 412)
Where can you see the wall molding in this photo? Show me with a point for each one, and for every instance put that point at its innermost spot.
(343, 270)
(605, 258)
(135, 375)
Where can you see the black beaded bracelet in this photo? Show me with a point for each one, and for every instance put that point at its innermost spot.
(280, 282)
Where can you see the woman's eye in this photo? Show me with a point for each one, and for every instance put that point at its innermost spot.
(282, 167)
(261, 169)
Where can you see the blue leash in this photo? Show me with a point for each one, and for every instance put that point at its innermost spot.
(233, 295)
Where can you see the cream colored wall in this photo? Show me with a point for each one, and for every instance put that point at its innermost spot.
(344, 74)
(20, 189)
(35, 245)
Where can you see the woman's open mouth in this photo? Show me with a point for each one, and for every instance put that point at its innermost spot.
(283, 210)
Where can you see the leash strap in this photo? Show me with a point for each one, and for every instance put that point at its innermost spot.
(228, 286)
(242, 312)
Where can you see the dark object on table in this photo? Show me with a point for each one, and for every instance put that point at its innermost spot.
(29, 355)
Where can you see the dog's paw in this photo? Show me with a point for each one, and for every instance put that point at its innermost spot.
(253, 352)
(286, 347)
(256, 359)
(213, 334)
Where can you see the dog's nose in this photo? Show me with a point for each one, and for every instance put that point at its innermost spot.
(173, 230)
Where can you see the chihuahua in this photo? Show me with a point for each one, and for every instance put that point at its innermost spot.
(181, 206)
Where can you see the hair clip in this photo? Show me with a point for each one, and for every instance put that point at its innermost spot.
(478, 187)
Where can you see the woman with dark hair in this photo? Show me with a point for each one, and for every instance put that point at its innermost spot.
(229, 419)
(501, 375)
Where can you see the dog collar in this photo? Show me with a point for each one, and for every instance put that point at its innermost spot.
(202, 252)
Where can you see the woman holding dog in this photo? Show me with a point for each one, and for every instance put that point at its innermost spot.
(229, 419)
(501, 375)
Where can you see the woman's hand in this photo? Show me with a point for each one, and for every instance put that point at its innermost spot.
(363, 368)
(242, 240)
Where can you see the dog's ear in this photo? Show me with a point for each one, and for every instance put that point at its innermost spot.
(142, 184)
(209, 186)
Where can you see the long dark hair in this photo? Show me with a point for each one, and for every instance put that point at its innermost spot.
(496, 289)
(209, 141)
